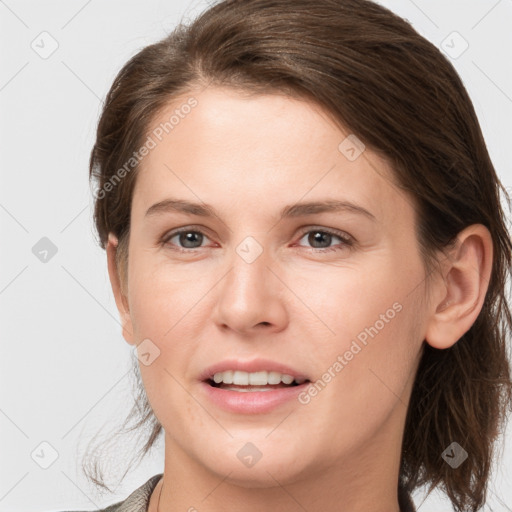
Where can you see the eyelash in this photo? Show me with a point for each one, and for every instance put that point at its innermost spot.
(347, 241)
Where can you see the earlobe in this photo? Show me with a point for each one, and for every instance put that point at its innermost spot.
(461, 292)
(121, 300)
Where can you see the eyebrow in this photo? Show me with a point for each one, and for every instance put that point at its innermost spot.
(290, 211)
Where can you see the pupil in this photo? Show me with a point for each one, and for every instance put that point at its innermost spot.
(317, 236)
(188, 237)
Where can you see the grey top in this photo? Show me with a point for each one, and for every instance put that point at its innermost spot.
(138, 500)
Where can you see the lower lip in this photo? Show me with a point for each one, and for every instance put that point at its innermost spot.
(251, 402)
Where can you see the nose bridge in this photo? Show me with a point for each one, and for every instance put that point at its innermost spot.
(249, 277)
(249, 296)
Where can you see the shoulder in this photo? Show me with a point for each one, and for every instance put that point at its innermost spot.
(137, 501)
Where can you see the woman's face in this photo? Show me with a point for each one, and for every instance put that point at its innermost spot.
(335, 295)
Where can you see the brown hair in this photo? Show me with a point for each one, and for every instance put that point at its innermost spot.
(399, 95)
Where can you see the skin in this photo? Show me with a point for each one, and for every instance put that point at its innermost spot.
(248, 158)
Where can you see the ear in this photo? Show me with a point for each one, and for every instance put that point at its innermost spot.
(121, 300)
(461, 292)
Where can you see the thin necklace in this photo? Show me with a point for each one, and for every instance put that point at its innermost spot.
(159, 495)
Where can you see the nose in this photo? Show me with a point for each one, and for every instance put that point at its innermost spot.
(250, 297)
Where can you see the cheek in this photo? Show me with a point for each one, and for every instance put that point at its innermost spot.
(365, 359)
(375, 301)
(161, 309)
(351, 301)
(163, 298)
(364, 380)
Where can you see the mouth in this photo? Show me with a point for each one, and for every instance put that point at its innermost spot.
(252, 387)
(251, 398)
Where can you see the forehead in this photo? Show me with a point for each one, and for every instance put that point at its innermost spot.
(260, 151)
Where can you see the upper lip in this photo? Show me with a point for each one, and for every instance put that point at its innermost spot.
(253, 365)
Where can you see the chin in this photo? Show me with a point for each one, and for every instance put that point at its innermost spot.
(279, 467)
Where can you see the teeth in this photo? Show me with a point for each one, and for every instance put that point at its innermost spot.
(263, 378)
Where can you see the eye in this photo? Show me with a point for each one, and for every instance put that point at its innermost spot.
(189, 238)
(324, 237)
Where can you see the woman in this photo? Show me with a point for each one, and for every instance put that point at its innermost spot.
(306, 246)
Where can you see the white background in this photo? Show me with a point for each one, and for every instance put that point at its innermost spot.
(65, 368)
